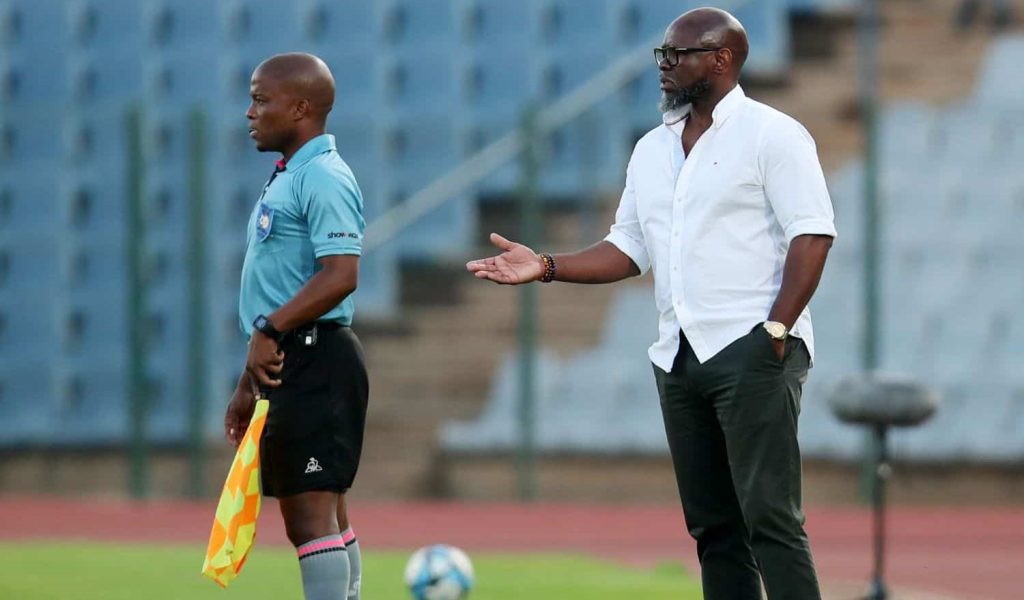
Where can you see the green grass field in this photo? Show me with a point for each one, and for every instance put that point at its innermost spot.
(90, 571)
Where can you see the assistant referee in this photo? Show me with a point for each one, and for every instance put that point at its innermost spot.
(304, 239)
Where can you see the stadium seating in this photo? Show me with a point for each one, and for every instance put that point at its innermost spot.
(72, 68)
(496, 426)
(26, 420)
(422, 84)
(952, 207)
(822, 6)
(602, 400)
(995, 89)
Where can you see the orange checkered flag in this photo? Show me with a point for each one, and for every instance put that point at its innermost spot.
(234, 526)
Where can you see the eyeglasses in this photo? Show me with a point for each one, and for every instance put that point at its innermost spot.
(671, 55)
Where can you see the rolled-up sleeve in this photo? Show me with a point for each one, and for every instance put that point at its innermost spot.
(626, 233)
(793, 180)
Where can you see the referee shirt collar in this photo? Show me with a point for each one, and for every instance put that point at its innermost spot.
(318, 145)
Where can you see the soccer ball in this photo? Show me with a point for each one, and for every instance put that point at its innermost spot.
(439, 572)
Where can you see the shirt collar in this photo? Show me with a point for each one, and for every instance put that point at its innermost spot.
(318, 145)
(723, 110)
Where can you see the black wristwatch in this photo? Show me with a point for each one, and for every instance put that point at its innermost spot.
(264, 326)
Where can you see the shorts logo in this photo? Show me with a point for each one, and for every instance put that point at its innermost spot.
(313, 466)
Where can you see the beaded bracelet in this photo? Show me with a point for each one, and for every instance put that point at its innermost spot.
(549, 268)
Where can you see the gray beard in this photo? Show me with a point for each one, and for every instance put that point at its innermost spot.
(671, 101)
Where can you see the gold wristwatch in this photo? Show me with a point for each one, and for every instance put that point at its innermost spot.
(776, 330)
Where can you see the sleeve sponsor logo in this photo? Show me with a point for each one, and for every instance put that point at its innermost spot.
(337, 234)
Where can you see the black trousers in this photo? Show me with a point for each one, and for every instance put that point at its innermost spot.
(732, 430)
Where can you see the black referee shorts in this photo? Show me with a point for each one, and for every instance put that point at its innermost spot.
(313, 436)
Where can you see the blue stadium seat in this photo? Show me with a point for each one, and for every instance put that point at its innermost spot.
(26, 407)
(259, 29)
(38, 44)
(170, 390)
(576, 160)
(423, 150)
(417, 23)
(31, 137)
(569, 26)
(498, 88)
(95, 324)
(27, 331)
(358, 81)
(424, 86)
(181, 25)
(103, 29)
(183, 79)
(92, 407)
(29, 206)
(29, 84)
(637, 21)
(351, 26)
(496, 23)
(30, 266)
(409, 144)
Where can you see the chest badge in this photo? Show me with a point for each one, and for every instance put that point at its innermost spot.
(264, 220)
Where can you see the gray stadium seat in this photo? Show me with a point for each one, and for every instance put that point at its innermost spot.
(907, 133)
(821, 434)
(996, 88)
(632, 323)
(496, 427)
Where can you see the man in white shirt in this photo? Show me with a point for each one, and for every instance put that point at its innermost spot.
(727, 202)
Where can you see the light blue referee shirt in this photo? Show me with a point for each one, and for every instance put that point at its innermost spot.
(310, 210)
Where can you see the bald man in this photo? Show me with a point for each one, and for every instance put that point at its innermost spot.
(304, 239)
(726, 202)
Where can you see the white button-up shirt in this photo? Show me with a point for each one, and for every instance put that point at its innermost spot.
(716, 225)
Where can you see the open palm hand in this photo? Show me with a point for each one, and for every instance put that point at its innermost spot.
(516, 264)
